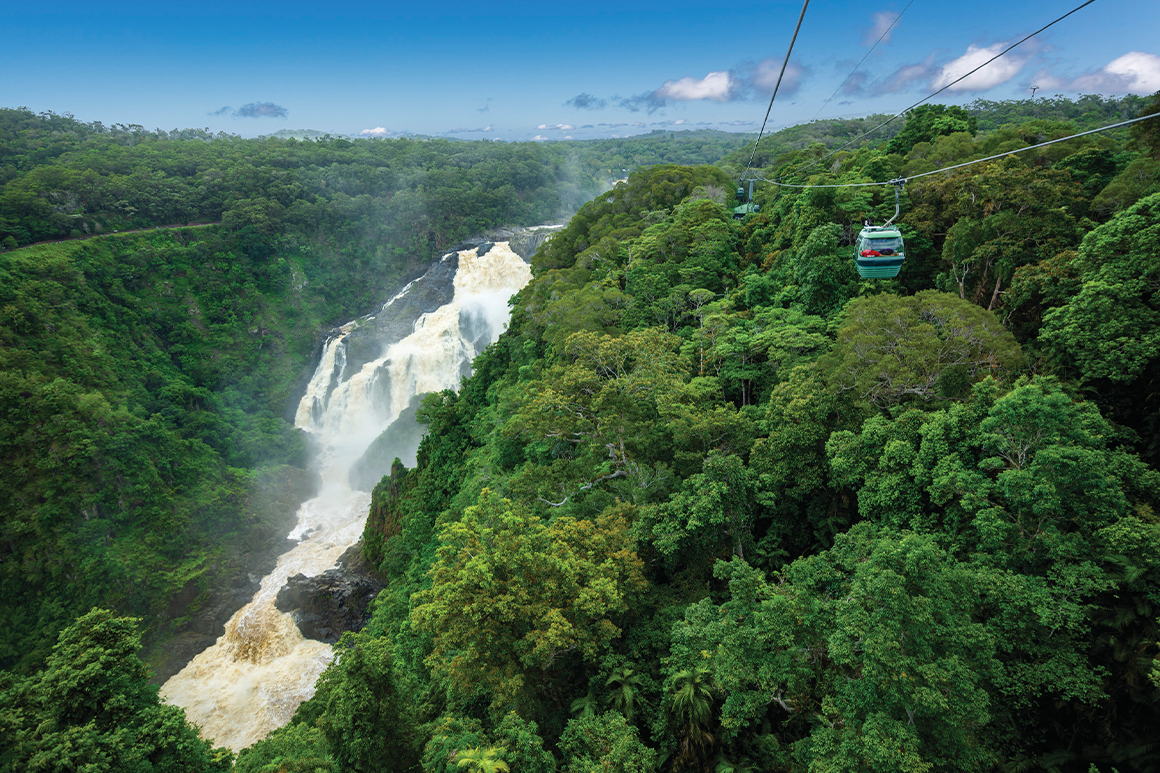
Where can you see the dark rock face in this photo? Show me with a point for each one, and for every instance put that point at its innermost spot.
(526, 241)
(401, 439)
(335, 601)
(395, 321)
(276, 501)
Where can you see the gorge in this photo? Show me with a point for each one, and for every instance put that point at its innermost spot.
(420, 341)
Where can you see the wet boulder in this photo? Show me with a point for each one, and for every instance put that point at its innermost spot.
(338, 600)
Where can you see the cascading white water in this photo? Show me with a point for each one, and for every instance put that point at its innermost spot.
(253, 679)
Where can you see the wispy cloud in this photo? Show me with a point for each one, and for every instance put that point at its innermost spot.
(762, 77)
(253, 110)
(539, 138)
(907, 76)
(564, 127)
(1136, 72)
(855, 85)
(261, 110)
(476, 130)
(586, 101)
(640, 102)
(879, 24)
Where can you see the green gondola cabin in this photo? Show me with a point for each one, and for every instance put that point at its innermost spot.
(747, 206)
(879, 252)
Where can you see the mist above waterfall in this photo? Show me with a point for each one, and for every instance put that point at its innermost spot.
(371, 370)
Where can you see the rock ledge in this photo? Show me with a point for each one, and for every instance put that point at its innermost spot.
(335, 601)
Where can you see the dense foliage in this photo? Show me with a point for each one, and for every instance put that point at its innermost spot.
(92, 708)
(713, 503)
(407, 198)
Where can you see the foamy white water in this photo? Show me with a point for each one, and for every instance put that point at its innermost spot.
(254, 678)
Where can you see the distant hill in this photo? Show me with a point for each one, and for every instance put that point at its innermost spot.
(299, 134)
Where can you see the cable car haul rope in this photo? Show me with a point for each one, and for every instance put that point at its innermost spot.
(969, 163)
(879, 250)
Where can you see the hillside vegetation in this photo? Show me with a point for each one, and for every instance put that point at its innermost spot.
(712, 503)
(146, 377)
(715, 503)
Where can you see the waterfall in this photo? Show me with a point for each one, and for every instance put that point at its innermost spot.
(253, 679)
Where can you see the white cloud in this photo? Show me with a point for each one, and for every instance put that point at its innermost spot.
(564, 127)
(539, 138)
(1135, 72)
(720, 86)
(716, 86)
(378, 131)
(878, 27)
(996, 73)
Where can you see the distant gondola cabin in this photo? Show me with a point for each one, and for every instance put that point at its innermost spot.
(879, 252)
(748, 208)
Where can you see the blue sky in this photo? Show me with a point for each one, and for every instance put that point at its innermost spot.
(526, 70)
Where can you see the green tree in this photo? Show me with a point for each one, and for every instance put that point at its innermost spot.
(930, 345)
(600, 408)
(926, 122)
(1112, 328)
(604, 743)
(691, 707)
(512, 597)
(714, 508)
(899, 688)
(366, 720)
(1147, 133)
(626, 686)
(295, 748)
(459, 742)
(481, 760)
(92, 708)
